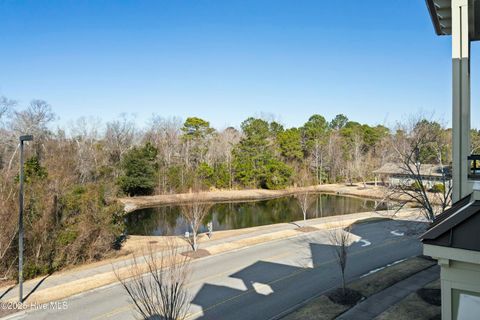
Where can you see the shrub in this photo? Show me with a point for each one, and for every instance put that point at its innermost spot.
(416, 186)
(438, 188)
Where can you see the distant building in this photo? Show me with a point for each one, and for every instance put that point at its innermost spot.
(394, 174)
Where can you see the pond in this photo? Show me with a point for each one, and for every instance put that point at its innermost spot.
(167, 220)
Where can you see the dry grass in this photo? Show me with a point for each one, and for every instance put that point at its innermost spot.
(135, 243)
(81, 285)
(324, 308)
(389, 276)
(200, 253)
(413, 307)
(134, 203)
(306, 229)
(321, 308)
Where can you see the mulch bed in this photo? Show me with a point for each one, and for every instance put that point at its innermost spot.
(306, 229)
(200, 253)
(350, 298)
(430, 296)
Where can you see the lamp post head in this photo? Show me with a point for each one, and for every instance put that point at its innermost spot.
(26, 138)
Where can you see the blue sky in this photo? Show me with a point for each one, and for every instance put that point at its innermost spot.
(375, 61)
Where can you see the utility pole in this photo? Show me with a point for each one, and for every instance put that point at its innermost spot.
(20, 219)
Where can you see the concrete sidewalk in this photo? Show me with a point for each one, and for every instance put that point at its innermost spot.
(88, 277)
(381, 301)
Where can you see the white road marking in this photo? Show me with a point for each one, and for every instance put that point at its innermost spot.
(366, 243)
(396, 233)
(371, 272)
(381, 268)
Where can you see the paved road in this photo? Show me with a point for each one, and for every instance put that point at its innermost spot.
(262, 281)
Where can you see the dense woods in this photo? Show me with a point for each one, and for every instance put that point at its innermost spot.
(74, 174)
(171, 156)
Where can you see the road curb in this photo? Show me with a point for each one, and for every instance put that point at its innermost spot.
(326, 226)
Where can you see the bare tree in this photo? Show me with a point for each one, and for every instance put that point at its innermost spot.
(85, 133)
(6, 106)
(34, 119)
(340, 239)
(359, 165)
(119, 137)
(7, 139)
(8, 227)
(334, 156)
(165, 135)
(304, 197)
(220, 149)
(420, 148)
(194, 212)
(305, 200)
(157, 285)
(317, 159)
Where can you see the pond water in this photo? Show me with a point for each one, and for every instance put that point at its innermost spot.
(167, 220)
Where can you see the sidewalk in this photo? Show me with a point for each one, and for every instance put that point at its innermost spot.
(88, 277)
(381, 301)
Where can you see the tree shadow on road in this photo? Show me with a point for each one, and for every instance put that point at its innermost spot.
(268, 285)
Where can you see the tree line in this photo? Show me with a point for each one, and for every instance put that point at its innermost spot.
(74, 176)
(172, 156)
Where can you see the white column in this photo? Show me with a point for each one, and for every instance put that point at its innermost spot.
(461, 98)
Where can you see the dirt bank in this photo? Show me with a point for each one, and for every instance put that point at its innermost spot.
(134, 203)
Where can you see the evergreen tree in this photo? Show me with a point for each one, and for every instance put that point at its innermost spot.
(196, 134)
(139, 171)
(338, 122)
(254, 161)
(290, 143)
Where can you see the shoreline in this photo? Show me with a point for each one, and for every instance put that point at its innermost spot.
(67, 282)
(218, 196)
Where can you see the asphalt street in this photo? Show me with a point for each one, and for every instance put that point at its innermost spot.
(263, 281)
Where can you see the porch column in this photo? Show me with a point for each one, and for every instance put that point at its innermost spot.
(461, 98)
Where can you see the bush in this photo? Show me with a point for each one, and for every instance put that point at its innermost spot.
(66, 237)
(416, 186)
(438, 188)
(32, 270)
(33, 171)
(90, 225)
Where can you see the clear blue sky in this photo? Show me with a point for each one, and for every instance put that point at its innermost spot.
(373, 60)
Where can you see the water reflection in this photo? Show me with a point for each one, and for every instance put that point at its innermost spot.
(167, 220)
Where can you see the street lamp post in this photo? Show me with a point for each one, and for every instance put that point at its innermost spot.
(20, 219)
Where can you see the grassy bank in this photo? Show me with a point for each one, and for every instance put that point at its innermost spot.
(135, 203)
